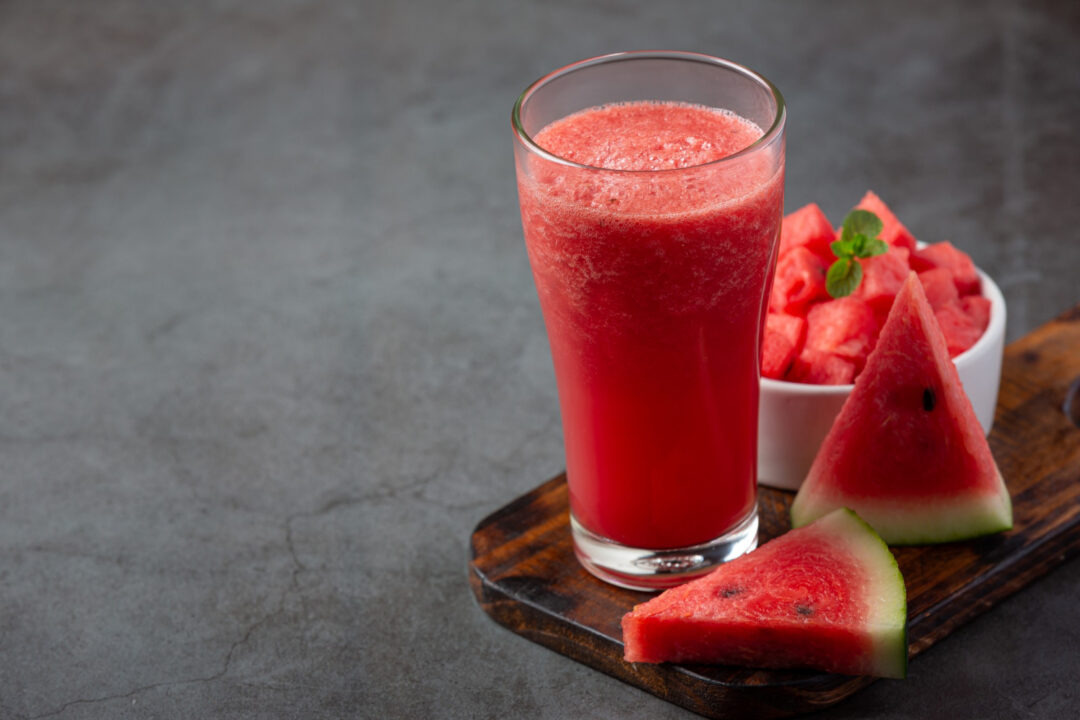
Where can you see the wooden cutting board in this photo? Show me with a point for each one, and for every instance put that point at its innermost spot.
(524, 574)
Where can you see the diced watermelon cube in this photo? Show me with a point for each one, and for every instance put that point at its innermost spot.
(956, 261)
(845, 327)
(792, 327)
(782, 341)
(821, 368)
(799, 280)
(893, 231)
(809, 228)
(939, 286)
(958, 327)
(883, 276)
(776, 355)
(978, 309)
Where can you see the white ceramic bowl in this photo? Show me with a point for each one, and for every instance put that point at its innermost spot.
(794, 418)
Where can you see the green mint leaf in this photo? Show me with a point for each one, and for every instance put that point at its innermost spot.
(872, 247)
(843, 248)
(843, 277)
(858, 239)
(863, 222)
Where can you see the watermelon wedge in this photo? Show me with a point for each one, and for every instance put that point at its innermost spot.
(828, 596)
(906, 451)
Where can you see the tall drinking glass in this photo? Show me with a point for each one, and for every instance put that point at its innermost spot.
(652, 248)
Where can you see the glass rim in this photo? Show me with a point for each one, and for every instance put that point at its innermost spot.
(768, 136)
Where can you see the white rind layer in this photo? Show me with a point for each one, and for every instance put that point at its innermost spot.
(916, 521)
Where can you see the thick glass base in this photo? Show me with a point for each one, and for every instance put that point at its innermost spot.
(643, 569)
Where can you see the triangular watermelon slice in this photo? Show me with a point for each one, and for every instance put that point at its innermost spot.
(906, 451)
(828, 596)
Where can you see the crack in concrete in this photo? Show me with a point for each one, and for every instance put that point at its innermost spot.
(299, 567)
(190, 681)
(327, 507)
(236, 645)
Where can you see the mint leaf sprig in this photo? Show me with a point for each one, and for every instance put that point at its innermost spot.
(858, 239)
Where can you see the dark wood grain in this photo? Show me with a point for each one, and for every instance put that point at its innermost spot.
(524, 574)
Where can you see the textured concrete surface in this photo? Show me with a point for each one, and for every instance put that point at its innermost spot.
(269, 346)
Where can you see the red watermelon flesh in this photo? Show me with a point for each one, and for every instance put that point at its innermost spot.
(939, 287)
(828, 596)
(946, 255)
(821, 368)
(959, 328)
(978, 309)
(906, 451)
(882, 277)
(893, 231)
(809, 228)
(780, 344)
(798, 281)
(845, 327)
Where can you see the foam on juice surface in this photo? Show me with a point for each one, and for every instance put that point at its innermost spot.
(634, 141)
(648, 136)
(660, 210)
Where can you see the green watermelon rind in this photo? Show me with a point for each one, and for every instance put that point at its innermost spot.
(967, 519)
(888, 625)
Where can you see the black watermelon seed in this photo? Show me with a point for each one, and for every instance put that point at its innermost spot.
(730, 591)
(804, 609)
(929, 399)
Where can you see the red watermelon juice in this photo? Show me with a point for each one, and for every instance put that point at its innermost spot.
(651, 230)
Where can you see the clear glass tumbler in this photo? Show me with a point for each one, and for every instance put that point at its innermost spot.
(653, 285)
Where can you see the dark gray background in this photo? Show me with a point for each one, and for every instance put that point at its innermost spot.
(269, 346)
